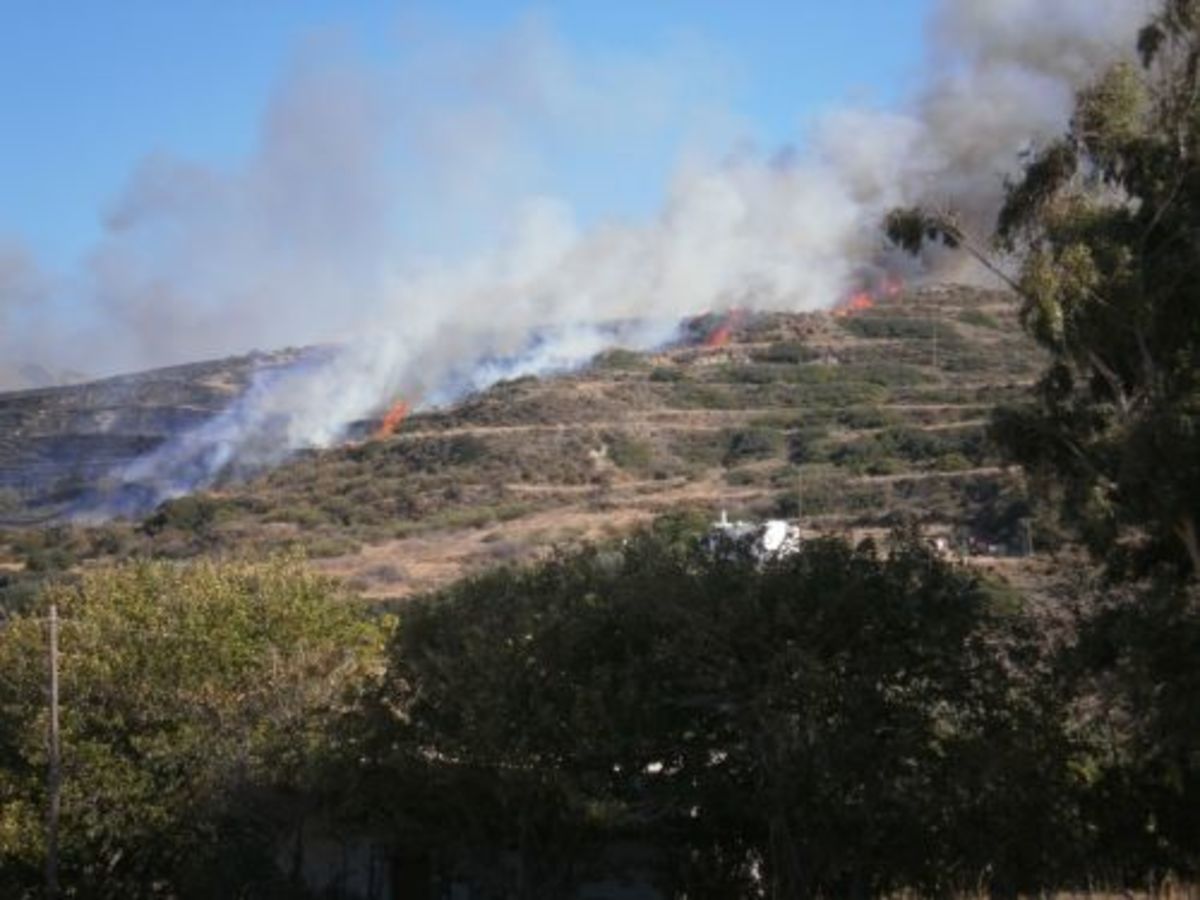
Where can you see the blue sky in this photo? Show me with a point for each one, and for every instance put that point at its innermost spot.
(91, 88)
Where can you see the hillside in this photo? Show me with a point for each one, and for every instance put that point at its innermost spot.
(58, 441)
(853, 419)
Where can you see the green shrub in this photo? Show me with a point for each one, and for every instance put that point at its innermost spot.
(806, 445)
(747, 374)
(863, 417)
(952, 462)
(619, 359)
(978, 318)
(628, 452)
(194, 700)
(750, 444)
(326, 545)
(792, 352)
(902, 327)
(690, 394)
(194, 514)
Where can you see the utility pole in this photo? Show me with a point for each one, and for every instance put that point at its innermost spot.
(799, 495)
(55, 773)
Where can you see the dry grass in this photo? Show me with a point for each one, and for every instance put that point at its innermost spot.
(792, 399)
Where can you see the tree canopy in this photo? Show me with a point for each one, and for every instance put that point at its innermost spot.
(1105, 227)
(196, 702)
(845, 720)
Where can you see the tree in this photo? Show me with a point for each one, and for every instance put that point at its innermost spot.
(196, 701)
(1105, 223)
(842, 722)
(1105, 226)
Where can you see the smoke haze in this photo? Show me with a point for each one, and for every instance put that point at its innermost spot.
(403, 214)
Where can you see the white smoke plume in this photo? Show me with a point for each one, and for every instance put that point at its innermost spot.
(413, 227)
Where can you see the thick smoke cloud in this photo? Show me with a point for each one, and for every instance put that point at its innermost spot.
(409, 213)
(198, 262)
(26, 319)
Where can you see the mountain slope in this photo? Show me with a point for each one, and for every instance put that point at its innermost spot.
(851, 420)
(58, 441)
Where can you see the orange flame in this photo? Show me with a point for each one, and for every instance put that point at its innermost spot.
(721, 335)
(854, 303)
(889, 287)
(392, 420)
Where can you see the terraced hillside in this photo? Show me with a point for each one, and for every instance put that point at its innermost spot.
(845, 421)
(848, 422)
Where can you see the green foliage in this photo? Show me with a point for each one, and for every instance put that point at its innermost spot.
(195, 702)
(842, 722)
(911, 228)
(862, 417)
(628, 452)
(902, 328)
(748, 444)
(879, 453)
(1136, 659)
(978, 318)
(434, 454)
(619, 359)
(194, 513)
(1103, 222)
(793, 352)
(806, 445)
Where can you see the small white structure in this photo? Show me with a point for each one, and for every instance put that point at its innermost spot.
(763, 541)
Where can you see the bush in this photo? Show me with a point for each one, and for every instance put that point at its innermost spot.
(666, 374)
(806, 445)
(194, 514)
(978, 318)
(628, 452)
(194, 701)
(751, 444)
(619, 359)
(626, 693)
(903, 327)
(792, 352)
(863, 417)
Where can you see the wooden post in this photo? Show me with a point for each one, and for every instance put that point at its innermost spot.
(55, 774)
